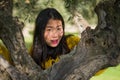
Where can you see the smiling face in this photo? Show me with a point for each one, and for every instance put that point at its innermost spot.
(53, 32)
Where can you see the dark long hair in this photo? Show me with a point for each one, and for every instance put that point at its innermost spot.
(41, 51)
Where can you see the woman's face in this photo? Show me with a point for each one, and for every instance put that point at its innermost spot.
(53, 32)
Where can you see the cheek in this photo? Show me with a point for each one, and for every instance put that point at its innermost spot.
(46, 36)
(61, 34)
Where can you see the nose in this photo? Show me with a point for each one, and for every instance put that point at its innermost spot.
(54, 33)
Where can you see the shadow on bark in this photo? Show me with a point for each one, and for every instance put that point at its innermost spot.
(98, 48)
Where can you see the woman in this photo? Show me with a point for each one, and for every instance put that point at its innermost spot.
(49, 38)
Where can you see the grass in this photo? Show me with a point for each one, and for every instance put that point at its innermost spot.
(28, 42)
(112, 73)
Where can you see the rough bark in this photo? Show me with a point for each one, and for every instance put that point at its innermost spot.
(98, 48)
(11, 35)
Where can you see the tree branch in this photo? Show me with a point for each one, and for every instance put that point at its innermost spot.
(97, 49)
(13, 72)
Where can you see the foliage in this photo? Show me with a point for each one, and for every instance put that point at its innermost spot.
(84, 7)
(30, 10)
(27, 10)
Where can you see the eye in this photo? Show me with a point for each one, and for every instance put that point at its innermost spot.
(59, 28)
(48, 29)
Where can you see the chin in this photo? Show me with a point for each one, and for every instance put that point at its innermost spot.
(54, 45)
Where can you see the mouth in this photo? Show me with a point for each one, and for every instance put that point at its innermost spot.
(54, 41)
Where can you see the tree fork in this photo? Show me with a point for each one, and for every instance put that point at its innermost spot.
(98, 48)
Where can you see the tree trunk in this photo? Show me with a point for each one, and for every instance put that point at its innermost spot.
(98, 48)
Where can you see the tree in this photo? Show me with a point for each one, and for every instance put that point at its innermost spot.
(98, 48)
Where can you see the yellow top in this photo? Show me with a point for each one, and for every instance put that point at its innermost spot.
(5, 54)
(72, 41)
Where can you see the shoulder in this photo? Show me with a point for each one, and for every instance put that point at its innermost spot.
(72, 40)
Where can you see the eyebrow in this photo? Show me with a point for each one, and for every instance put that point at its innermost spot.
(48, 26)
(59, 25)
(52, 26)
